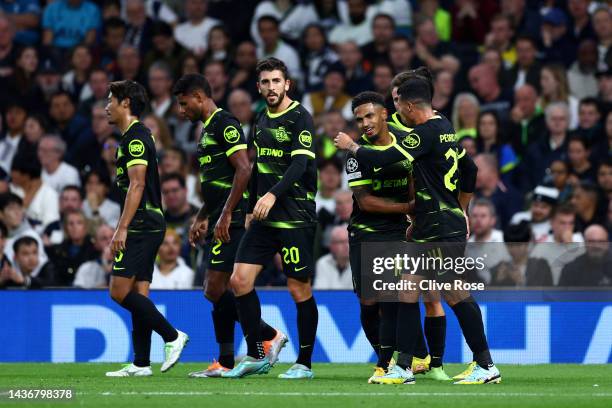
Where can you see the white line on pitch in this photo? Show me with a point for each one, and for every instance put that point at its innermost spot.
(347, 394)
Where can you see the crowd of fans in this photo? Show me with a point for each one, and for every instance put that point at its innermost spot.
(527, 85)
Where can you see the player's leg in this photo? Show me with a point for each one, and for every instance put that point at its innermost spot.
(468, 314)
(297, 255)
(256, 249)
(435, 332)
(141, 332)
(408, 322)
(369, 311)
(141, 366)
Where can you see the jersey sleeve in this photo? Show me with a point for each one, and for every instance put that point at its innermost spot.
(136, 149)
(303, 132)
(358, 174)
(230, 136)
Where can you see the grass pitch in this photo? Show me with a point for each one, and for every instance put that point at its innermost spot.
(337, 385)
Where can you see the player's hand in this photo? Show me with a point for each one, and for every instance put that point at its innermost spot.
(247, 221)
(467, 225)
(343, 141)
(263, 206)
(197, 231)
(118, 242)
(222, 227)
(409, 231)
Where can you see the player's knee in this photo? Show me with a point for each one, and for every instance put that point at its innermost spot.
(434, 309)
(300, 291)
(240, 284)
(213, 290)
(117, 294)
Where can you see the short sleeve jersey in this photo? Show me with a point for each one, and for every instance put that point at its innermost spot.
(278, 138)
(434, 152)
(390, 182)
(137, 147)
(221, 137)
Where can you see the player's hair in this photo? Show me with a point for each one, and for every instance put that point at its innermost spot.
(173, 176)
(192, 82)
(133, 91)
(421, 72)
(271, 64)
(563, 209)
(367, 97)
(75, 188)
(520, 232)
(416, 89)
(24, 241)
(7, 199)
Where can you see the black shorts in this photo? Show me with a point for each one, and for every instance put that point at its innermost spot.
(260, 243)
(366, 278)
(221, 255)
(450, 250)
(138, 257)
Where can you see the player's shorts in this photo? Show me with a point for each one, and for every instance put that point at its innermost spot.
(450, 250)
(138, 257)
(260, 243)
(221, 255)
(361, 277)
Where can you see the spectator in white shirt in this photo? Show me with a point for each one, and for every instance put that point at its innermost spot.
(160, 84)
(97, 204)
(538, 215)
(485, 241)
(55, 172)
(70, 199)
(40, 200)
(13, 141)
(193, 34)
(359, 29)
(273, 46)
(562, 245)
(170, 270)
(12, 215)
(95, 274)
(333, 271)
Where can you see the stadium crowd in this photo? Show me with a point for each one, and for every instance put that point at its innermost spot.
(527, 85)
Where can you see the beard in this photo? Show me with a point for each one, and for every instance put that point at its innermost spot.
(280, 98)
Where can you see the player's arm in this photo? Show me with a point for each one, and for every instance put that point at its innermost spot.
(234, 143)
(467, 179)
(370, 203)
(385, 157)
(240, 161)
(302, 150)
(137, 174)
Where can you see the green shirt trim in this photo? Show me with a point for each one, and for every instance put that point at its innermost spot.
(276, 115)
(359, 183)
(211, 116)
(136, 162)
(303, 151)
(235, 149)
